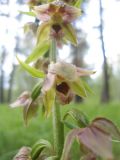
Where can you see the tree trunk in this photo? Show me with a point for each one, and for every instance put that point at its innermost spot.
(11, 83)
(2, 76)
(105, 97)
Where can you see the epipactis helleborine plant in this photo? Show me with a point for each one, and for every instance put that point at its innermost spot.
(58, 83)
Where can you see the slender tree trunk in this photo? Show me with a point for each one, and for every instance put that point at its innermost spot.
(105, 97)
(2, 77)
(11, 82)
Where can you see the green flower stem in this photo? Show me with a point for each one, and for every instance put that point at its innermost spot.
(58, 128)
(58, 131)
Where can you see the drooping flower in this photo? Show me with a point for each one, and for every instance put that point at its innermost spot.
(63, 82)
(23, 154)
(56, 17)
(57, 11)
(30, 106)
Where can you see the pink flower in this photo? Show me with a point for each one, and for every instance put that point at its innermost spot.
(57, 11)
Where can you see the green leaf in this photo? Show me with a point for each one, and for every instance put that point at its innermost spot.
(78, 87)
(69, 125)
(28, 13)
(34, 72)
(79, 117)
(78, 3)
(70, 34)
(39, 50)
(39, 147)
(107, 126)
(51, 158)
(36, 91)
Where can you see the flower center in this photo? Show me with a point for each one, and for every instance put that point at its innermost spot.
(63, 88)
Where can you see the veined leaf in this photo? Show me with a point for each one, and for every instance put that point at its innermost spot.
(38, 51)
(96, 141)
(38, 148)
(36, 91)
(34, 72)
(28, 13)
(78, 116)
(70, 34)
(69, 125)
(107, 126)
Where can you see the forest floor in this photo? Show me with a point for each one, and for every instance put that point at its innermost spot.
(14, 134)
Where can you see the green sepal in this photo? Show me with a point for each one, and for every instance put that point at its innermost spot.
(30, 111)
(36, 91)
(43, 33)
(86, 86)
(39, 147)
(39, 50)
(78, 3)
(70, 34)
(79, 117)
(78, 88)
(48, 100)
(31, 70)
(28, 13)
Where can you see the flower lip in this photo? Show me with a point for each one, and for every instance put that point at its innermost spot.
(63, 88)
(56, 27)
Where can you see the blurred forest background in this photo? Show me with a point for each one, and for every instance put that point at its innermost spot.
(98, 31)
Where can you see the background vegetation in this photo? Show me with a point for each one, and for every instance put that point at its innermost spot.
(13, 133)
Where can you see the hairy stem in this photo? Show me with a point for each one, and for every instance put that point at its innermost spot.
(58, 129)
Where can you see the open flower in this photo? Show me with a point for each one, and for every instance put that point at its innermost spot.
(56, 17)
(63, 82)
(57, 11)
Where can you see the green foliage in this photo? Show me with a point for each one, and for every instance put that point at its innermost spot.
(28, 13)
(38, 51)
(34, 72)
(12, 127)
(70, 34)
(79, 117)
(39, 146)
